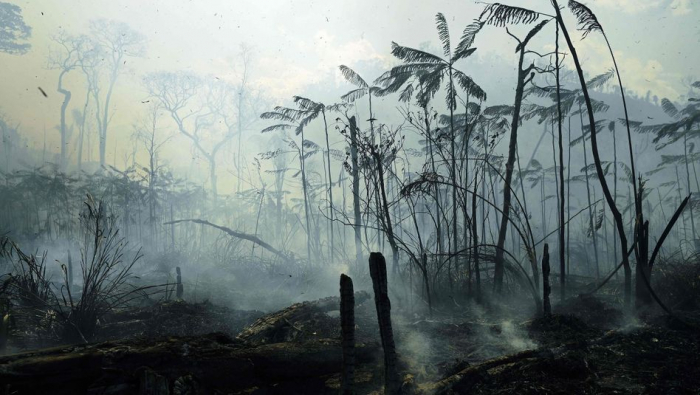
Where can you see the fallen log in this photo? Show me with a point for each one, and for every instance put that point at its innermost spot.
(214, 362)
(288, 324)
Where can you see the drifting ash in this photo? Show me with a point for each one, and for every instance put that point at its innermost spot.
(298, 350)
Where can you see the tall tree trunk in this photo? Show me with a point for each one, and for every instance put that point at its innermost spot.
(330, 187)
(499, 267)
(306, 198)
(596, 157)
(356, 190)
(475, 240)
(455, 179)
(386, 214)
(438, 209)
(562, 201)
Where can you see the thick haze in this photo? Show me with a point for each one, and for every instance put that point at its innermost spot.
(298, 46)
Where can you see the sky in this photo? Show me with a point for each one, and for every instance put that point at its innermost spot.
(298, 46)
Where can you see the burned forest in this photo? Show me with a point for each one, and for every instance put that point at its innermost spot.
(400, 197)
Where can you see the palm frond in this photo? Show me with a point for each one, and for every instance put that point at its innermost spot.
(352, 77)
(467, 40)
(306, 104)
(406, 94)
(279, 115)
(354, 95)
(410, 55)
(444, 34)
(600, 80)
(468, 84)
(587, 21)
(669, 108)
(281, 126)
(497, 14)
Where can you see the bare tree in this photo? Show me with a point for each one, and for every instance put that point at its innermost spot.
(65, 58)
(116, 42)
(194, 106)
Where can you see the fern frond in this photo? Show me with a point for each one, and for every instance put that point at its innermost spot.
(353, 77)
(468, 84)
(497, 14)
(600, 80)
(280, 114)
(281, 126)
(406, 94)
(410, 55)
(467, 40)
(669, 108)
(587, 21)
(354, 95)
(444, 34)
(306, 104)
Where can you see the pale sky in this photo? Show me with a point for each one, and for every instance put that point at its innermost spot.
(299, 44)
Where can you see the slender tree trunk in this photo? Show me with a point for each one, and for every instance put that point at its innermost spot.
(64, 132)
(306, 198)
(455, 180)
(596, 157)
(356, 190)
(562, 201)
(475, 240)
(499, 267)
(330, 187)
(386, 216)
(687, 179)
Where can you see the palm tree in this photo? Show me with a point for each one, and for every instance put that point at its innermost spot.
(493, 15)
(312, 110)
(681, 128)
(432, 70)
(588, 23)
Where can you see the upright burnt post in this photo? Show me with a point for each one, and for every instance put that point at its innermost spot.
(70, 272)
(179, 283)
(347, 332)
(546, 288)
(377, 270)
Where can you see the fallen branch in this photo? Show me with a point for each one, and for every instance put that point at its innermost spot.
(231, 232)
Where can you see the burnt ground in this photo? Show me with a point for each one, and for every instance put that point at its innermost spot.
(182, 348)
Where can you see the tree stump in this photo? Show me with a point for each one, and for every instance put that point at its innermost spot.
(347, 324)
(377, 270)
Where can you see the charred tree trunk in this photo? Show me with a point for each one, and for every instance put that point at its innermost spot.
(356, 190)
(475, 240)
(377, 270)
(562, 202)
(546, 288)
(512, 148)
(596, 157)
(347, 325)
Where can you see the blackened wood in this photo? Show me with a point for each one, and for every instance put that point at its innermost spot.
(377, 270)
